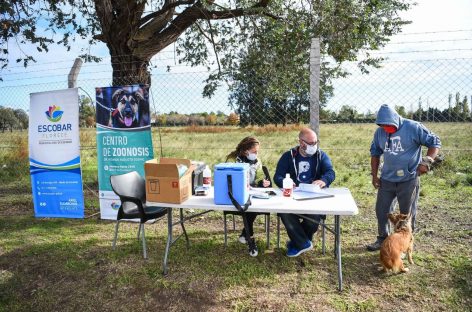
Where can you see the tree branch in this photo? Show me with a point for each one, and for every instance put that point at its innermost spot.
(104, 11)
(154, 23)
(169, 5)
(272, 15)
(225, 14)
(214, 46)
(187, 18)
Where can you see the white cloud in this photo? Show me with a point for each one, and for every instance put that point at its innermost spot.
(438, 15)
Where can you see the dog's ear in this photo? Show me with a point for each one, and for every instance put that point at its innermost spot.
(402, 216)
(392, 217)
(139, 94)
(115, 96)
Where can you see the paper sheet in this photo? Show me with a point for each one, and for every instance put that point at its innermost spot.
(306, 191)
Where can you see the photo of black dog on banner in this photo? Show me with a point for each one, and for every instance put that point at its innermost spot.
(123, 107)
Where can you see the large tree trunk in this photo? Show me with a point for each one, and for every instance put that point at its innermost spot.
(129, 69)
(134, 35)
(120, 20)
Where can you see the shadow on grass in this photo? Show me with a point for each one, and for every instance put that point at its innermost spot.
(52, 264)
(55, 256)
(462, 278)
(16, 198)
(72, 273)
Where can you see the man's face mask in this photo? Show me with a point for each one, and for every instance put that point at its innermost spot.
(390, 129)
(310, 149)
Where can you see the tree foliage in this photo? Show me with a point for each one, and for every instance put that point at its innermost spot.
(86, 112)
(134, 31)
(267, 66)
(11, 119)
(260, 48)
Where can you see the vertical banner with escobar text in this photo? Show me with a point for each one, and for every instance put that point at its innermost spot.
(124, 141)
(56, 178)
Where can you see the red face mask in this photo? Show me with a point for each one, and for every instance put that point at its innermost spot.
(390, 129)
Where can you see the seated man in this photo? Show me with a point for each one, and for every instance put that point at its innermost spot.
(305, 163)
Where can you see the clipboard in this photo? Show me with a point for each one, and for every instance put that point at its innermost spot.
(300, 195)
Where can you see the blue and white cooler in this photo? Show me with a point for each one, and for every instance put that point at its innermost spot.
(239, 173)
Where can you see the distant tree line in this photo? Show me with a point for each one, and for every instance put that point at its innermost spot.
(13, 119)
(196, 119)
(458, 110)
(267, 111)
(296, 109)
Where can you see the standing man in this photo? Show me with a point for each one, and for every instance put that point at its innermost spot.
(305, 163)
(399, 140)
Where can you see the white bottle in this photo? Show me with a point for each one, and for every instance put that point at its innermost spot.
(287, 185)
(207, 177)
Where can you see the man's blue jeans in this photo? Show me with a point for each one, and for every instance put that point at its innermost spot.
(386, 194)
(300, 230)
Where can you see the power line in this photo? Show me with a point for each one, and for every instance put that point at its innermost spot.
(420, 51)
(173, 58)
(431, 41)
(434, 32)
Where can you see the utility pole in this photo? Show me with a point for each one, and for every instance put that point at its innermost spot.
(315, 64)
(74, 73)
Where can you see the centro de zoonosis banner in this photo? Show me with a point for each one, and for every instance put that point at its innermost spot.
(123, 138)
(54, 149)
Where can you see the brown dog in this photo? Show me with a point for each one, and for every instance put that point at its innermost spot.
(400, 241)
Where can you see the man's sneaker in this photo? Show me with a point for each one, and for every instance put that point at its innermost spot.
(375, 246)
(253, 252)
(295, 252)
(242, 239)
(289, 245)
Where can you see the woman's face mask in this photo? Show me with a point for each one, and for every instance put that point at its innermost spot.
(251, 156)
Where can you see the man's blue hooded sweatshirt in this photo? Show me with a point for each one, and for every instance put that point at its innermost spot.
(401, 150)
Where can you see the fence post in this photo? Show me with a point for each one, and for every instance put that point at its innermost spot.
(315, 64)
(74, 73)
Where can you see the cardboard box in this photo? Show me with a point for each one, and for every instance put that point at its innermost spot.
(163, 183)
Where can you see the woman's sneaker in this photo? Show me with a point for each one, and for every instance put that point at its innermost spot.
(242, 239)
(253, 252)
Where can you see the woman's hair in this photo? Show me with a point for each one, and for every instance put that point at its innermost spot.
(246, 144)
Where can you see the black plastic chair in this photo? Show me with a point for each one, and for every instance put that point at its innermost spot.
(131, 188)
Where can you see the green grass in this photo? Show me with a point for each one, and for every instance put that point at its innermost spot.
(68, 265)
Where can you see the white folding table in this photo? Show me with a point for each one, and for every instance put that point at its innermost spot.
(341, 204)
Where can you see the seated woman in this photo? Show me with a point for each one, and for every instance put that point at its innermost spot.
(246, 152)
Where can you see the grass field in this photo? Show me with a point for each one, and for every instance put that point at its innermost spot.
(68, 265)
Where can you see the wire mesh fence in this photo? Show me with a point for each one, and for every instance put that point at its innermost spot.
(437, 92)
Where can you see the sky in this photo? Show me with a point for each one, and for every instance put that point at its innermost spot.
(423, 61)
(439, 30)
